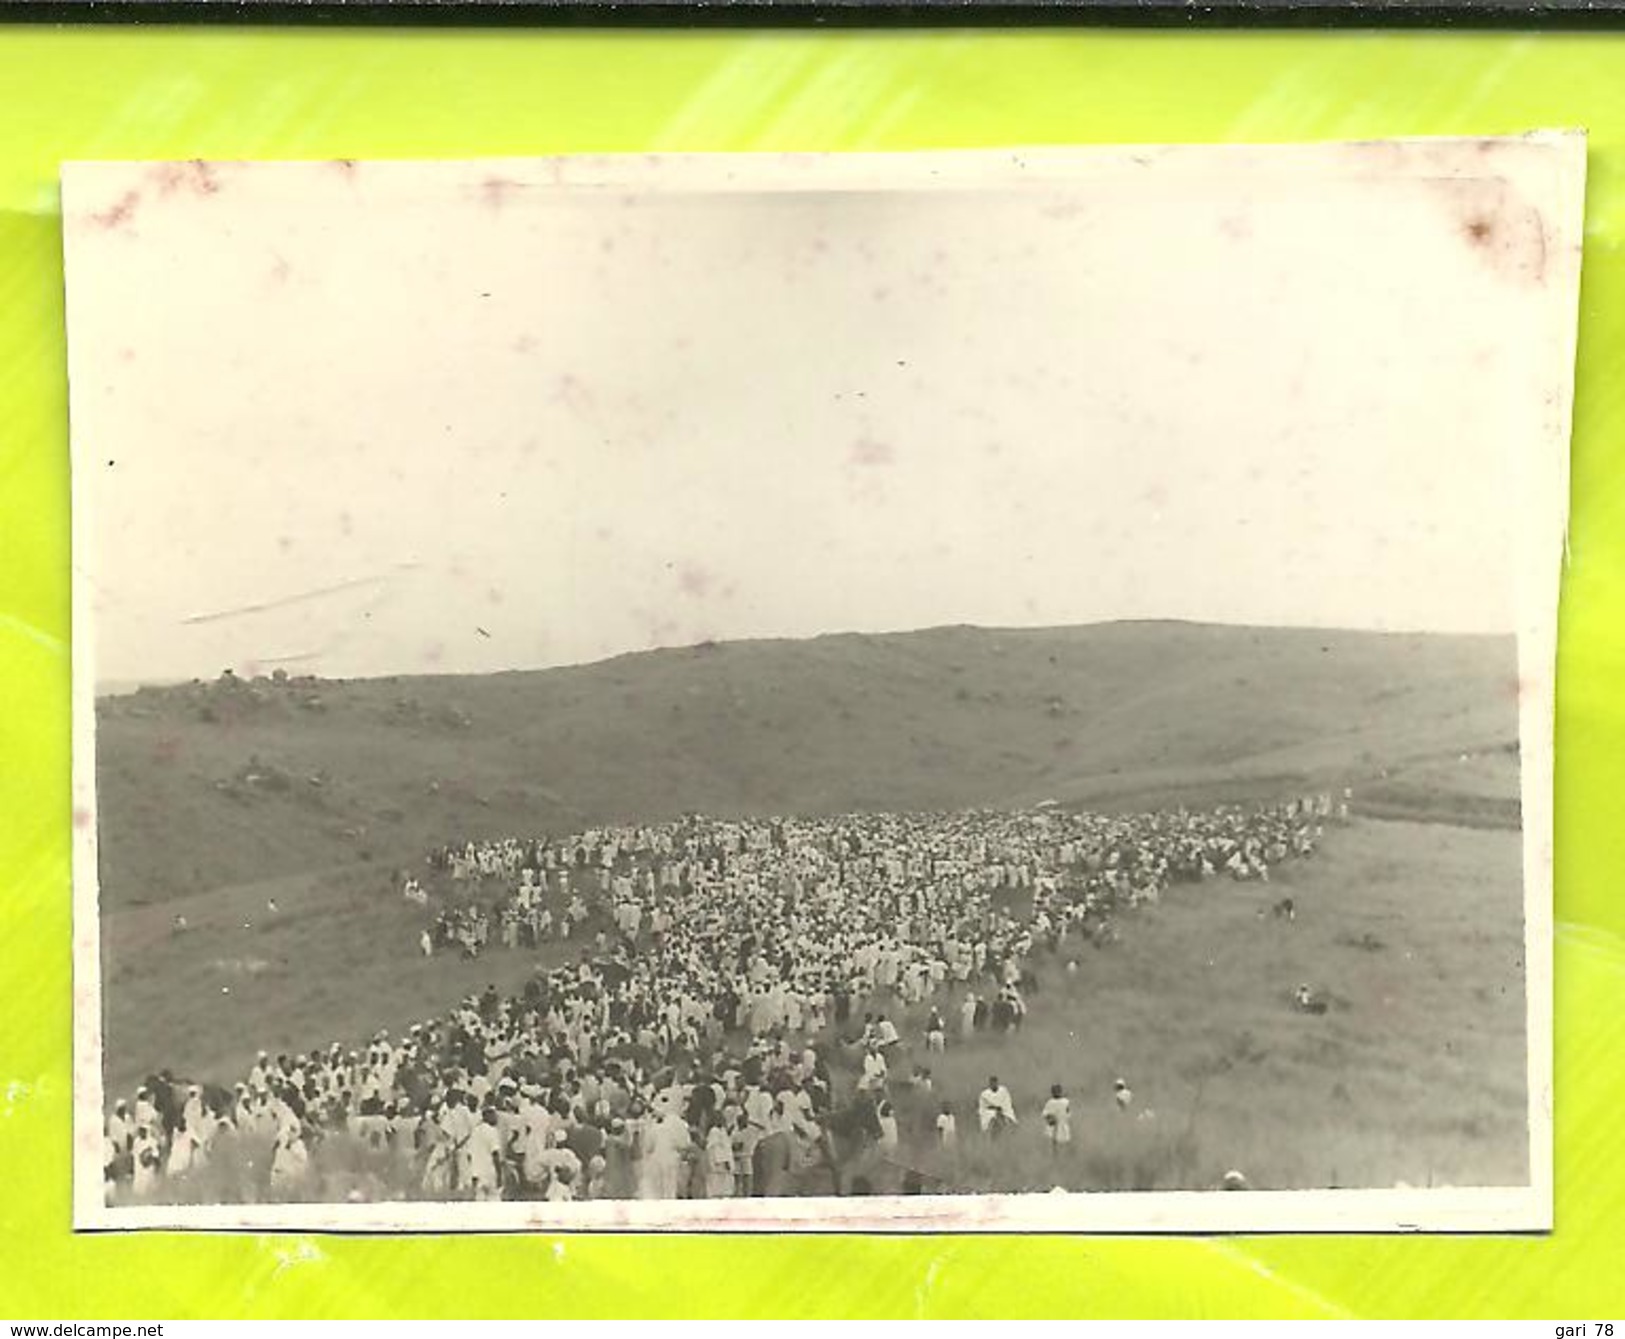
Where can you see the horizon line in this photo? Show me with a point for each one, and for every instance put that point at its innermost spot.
(124, 687)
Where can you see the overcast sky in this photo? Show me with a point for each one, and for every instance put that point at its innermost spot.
(357, 420)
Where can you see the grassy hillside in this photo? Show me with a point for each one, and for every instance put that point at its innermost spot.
(202, 786)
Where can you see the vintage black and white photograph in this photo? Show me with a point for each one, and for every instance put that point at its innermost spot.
(949, 691)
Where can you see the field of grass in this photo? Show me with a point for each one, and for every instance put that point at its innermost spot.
(337, 961)
(1416, 1073)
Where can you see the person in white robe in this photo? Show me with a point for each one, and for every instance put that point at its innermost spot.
(290, 1161)
(535, 1138)
(1058, 1119)
(886, 1118)
(719, 1164)
(185, 1150)
(661, 1171)
(148, 1156)
(120, 1132)
(439, 1161)
(994, 1108)
(758, 1106)
(483, 1158)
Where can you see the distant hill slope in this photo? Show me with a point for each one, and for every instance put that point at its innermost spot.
(205, 785)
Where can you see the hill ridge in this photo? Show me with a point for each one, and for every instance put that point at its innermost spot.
(208, 784)
(126, 688)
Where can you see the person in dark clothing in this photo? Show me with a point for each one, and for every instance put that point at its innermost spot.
(168, 1098)
(585, 1140)
(702, 1103)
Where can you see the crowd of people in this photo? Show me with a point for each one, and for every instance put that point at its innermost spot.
(725, 1020)
(524, 919)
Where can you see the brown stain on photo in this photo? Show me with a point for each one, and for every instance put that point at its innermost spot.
(1496, 225)
(1492, 219)
(194, 177)
(496, 191)
(118, 215)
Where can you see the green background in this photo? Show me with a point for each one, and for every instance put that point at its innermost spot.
(241, 94)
